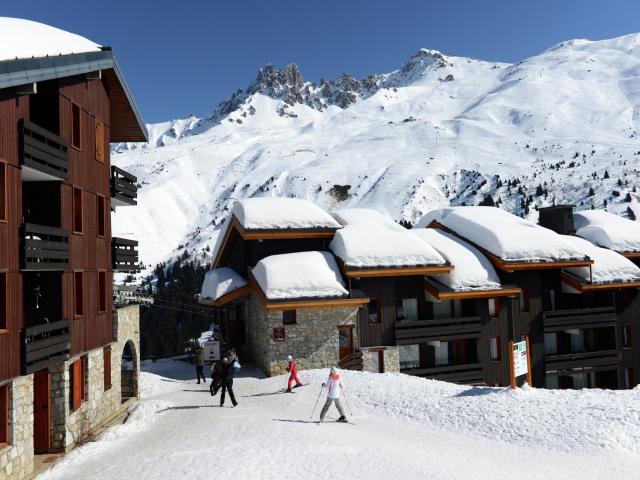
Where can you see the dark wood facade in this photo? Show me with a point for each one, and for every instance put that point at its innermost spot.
(77, 110)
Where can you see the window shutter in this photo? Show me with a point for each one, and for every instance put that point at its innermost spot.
(107, 368)
(76, 384)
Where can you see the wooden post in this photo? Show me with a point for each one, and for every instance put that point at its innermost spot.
(529, 381)
(512, 367)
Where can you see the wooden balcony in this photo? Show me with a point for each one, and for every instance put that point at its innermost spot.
(124, 190)
(420, 331)
(585, 361)
(559, 320)
(352, 362)
(46, 345)
(44, 248)
(124, 255)
(467, 373)
(43, 155)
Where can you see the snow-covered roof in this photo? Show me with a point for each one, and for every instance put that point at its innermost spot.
(364, 217)
(299, 275)
(509, 237)
(219, 282)
(472, 270)
(269, 213)
(608, 266)
(20, 38)
(376, 246)
(608, 230)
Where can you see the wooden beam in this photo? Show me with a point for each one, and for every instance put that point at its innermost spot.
(590, 287)
(393, 271)
(631, 255)
(450, 295)
(512, 266)
(223, 300)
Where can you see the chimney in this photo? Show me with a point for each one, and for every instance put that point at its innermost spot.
(558, 218)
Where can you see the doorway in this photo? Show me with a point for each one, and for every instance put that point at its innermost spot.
(345, 341)
(41, 411)
(377, 361)
(128, 372)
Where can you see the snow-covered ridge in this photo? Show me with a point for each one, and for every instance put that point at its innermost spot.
(558, 127)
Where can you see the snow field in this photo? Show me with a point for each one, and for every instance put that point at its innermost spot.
(404, 427)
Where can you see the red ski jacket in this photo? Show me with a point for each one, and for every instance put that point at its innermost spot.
(293, 367)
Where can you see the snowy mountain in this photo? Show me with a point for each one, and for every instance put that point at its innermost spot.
(560, 127)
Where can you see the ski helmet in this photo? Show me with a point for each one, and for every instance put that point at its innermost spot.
(289, 357)
(334, 370)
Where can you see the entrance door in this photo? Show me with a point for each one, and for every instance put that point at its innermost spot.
(41, 411)
(377, 361)
(345, 335)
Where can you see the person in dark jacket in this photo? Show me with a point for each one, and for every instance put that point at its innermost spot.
(228, 374)
(200, 365)
(216, 377)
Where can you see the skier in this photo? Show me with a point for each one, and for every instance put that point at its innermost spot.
(217, 370)
(231, 364)
(293, 369)
(200, 365)
(334, 385)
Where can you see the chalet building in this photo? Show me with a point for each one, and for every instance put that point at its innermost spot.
(442, 300)
(67, 357)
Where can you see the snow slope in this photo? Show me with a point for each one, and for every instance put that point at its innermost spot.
(405, 427)
(440, 130)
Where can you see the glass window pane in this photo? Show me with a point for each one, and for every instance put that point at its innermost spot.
(409, 356)
(410, 308)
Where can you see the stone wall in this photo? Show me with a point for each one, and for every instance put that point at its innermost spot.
(70, 428)
(313, 340)
(391, 358)
(16, 459)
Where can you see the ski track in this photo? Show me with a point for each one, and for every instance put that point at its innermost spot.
(178, 431)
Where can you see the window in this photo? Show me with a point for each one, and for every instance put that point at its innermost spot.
(78, 297)
(524, 300)
(4, 415)
(102, 292)
(409, 356)
(441, 350)
(496, 349)
(75, 126)
(373, 310)
(494, 307)
(550, 343)
(100, 150)
(626, 336)
(377, 361)
(101, 216)
(77, 210)
(442, 309)
(107, 368)
(3, 192)
(407, 309)
(288, 317)
(77, 381)
(3, 301)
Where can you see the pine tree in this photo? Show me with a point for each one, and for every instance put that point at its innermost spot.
(487, 201)
(606, 174)
(591, 192)
(630, 214)
(627, 197)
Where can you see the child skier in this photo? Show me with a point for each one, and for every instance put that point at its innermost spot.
(293, 369)
(334, 386)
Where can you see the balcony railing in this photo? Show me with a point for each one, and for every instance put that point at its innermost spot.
(591, 361)
(44, 248)
(46, 345)
(124, 190)
(467, 373)
(352, 361)
(43, 155)
(124, 255)
(410, 332)
(559, 320)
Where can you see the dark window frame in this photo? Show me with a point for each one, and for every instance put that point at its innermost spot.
(289, 317)
(378, 320)
(4, 303)
(75, 137)
(498, 347)
(78, 210)
(102, 291)
(106, 354)
(101, 216)
(4, 416)
(4, 191)
(78, 294)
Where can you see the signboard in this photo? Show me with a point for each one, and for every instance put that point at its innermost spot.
(278, 334)
(211, 350)
(519, 362)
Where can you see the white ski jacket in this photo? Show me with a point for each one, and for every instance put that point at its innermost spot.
(334, 384)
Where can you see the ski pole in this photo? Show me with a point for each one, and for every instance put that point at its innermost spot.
(347, 399)
(316, 405)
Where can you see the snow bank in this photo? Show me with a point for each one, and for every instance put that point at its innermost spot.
(608, 230)
(365, 217)
(375, 246)
(608, 266)
(507, 236)
(21, 38)
(472, 270)
(281, 213)
(219, 282)
(299, 275)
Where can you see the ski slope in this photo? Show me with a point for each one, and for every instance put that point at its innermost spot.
(403, 427)
(440, 130)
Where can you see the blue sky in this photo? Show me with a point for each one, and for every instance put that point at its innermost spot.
(184, 57)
